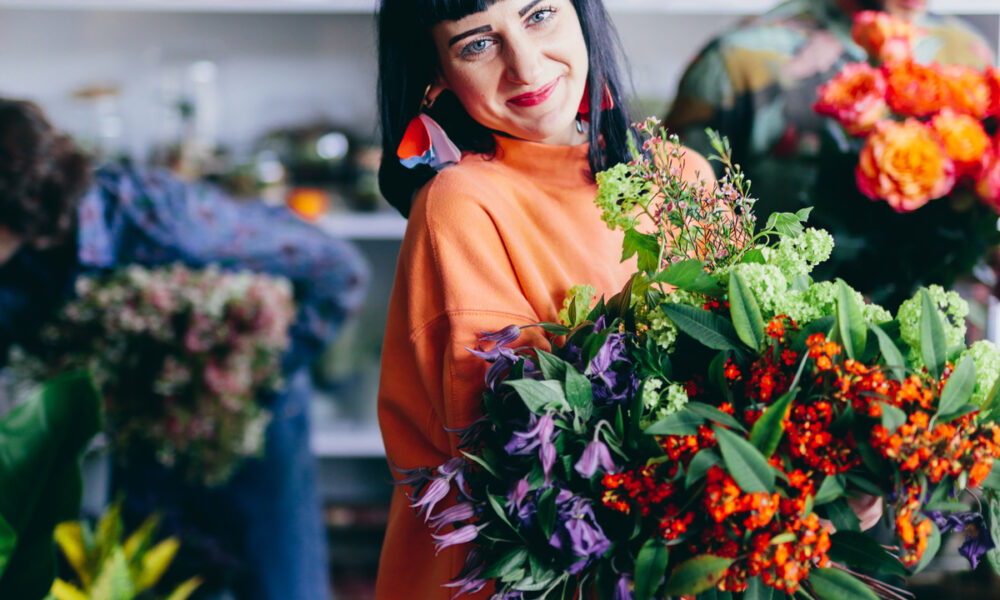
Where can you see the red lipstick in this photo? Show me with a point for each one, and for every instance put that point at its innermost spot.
(535, 98)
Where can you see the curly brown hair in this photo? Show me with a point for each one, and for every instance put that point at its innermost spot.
(43, 174)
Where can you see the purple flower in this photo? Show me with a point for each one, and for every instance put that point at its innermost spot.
(577, 531)
(462, 535)
(468, 580)
(622, 591)
(452, 470)
(977, 541)
(518, 493)
(500, 356)
(463, 511)
(595, 454)
(524, 442)
(610, 386)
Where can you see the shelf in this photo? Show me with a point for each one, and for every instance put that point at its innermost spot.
(734, 7)
(364, 226)
(344, 442)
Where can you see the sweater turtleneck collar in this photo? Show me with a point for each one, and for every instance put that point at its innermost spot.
(558, 165)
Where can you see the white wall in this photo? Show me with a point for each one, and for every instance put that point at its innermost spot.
(272, 69)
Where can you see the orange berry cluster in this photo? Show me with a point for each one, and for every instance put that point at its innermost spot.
(780, 562)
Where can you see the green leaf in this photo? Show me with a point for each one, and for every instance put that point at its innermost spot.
(646, 246)
(539, 396)
(860, 550)
(842, 516)
(696, 575)
(513, 559)
(753, 256)
(803, 213)
(682, 422)
(690, 275)
(801, 282)
(892, 417)
(713, 414)
(744, 462)
(933, 345)
(555, 328)
(959, 387)
(757, 590)
(767, 431)
(992, 481)
(831, 489)
(497, 507)
(745, 312)
(834, 584)
(650, 567)
(890, 352)
(704, 460)
(853, 332)
(965, 409)
(786, 224)
(40, 485)
(579, 393)
(933, 545)
(993, 514)
(708, 328)
(991, 406)
(114, 582)
(551, 366)
(547, 512)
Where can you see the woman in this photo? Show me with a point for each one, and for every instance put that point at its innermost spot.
(59, 219)
(531, 92)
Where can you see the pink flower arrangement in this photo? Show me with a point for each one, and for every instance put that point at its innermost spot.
(180, 356)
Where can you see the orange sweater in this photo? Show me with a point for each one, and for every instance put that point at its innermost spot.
(490, 242)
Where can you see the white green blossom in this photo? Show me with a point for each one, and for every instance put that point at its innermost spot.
(800, 254)
(986, 355)
(618, 192)
(660, 404)
(953, 312)
(576, 305)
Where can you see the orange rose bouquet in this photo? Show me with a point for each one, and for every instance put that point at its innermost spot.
(921, 140)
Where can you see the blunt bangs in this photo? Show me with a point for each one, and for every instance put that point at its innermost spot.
(432, 12)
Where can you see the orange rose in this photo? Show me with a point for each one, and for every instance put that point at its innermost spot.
(883, 36)
(988, 181)
(904, 164)
(855, 97)
(916, 90)
(993, 80)
(969, 90)
(964, 139)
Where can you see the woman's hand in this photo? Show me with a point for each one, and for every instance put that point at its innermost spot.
(867, 508)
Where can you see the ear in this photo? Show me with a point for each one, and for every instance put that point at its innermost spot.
(439, 85)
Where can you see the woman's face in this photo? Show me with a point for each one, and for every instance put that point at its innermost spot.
(519, 67)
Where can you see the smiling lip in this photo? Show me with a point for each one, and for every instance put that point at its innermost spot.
(535, 98)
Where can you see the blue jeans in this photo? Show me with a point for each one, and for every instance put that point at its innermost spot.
(262, 533)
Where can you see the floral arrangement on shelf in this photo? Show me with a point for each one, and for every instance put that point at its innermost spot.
(180, 356)
(920, 140)
(706, 430)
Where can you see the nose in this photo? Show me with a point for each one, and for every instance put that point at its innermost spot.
(524, 60)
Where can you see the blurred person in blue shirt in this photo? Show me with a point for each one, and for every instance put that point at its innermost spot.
(59, 218)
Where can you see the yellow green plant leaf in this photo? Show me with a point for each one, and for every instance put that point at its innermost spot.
(69, 536)
(141, 537)
(108, 533)
(66, 591)
(185, 589)
(155, 563)
(114, 582)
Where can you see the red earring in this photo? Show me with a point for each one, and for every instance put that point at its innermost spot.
(607, 103)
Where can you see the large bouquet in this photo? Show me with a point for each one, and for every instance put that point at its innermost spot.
(180, 356)
(919, 139)
(703, 431)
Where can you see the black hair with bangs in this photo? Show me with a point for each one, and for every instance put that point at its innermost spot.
(408, 63)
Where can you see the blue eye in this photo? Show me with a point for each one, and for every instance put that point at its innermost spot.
(540, 16)
(477, 47)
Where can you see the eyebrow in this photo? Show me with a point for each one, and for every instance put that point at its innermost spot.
(486, 28)
(528, 7)
(471, 32)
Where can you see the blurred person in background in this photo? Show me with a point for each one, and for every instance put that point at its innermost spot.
(59, 218)
(756, 84)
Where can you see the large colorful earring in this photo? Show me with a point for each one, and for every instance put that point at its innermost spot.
(425, 141)
(583, 113)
